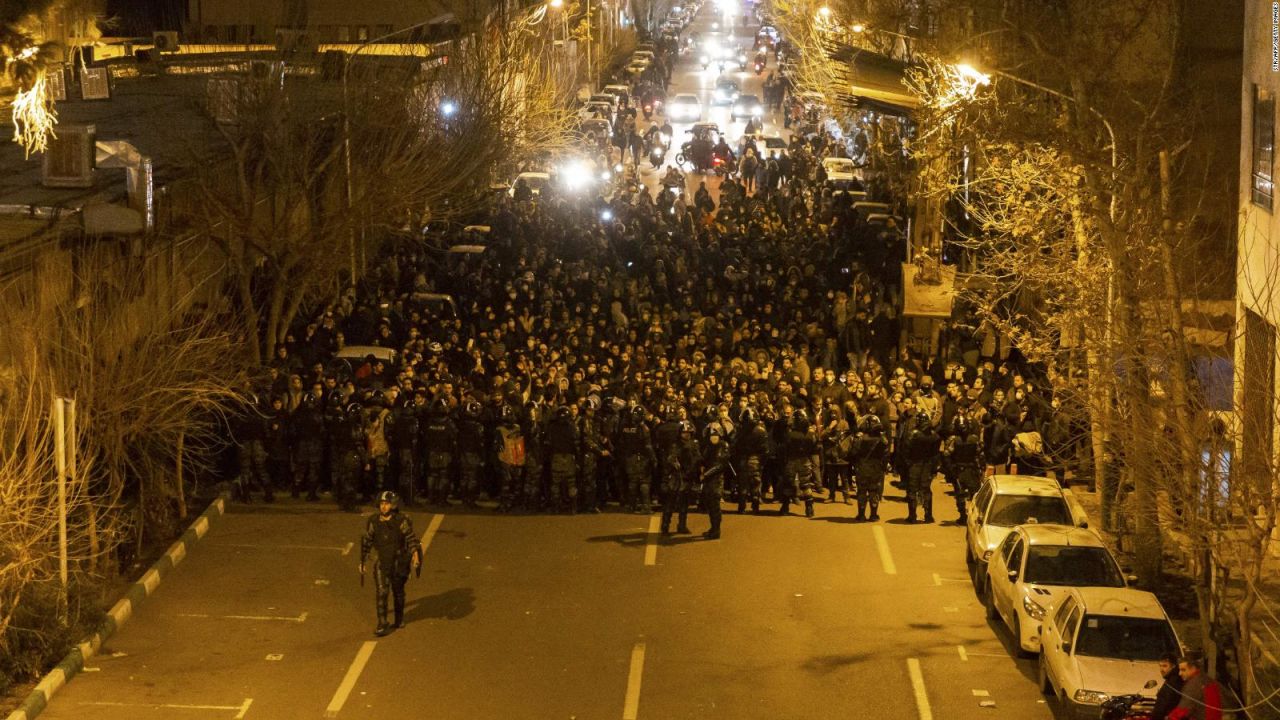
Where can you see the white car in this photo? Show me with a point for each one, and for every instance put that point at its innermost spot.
(621, 92)
(1103, 642)
(595, 108)
(536, 181)
(840, 171)
(686, 108)
(1034, 569)
(612, 100)
(645, 55)
(1004, 502)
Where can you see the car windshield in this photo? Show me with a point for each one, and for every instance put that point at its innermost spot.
(1072, 566)
(1125, 638)
(1010, 510)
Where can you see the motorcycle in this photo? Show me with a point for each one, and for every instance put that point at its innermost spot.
(657, 155)
(1128, 707)
(759, 67)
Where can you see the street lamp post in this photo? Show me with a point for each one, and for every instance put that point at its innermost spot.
(346, 130)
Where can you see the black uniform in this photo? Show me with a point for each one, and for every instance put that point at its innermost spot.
(393, 543)
(470, 448)
(562, 446)
(920, 455)
(715, 465)
(750, 448)
(438, 437)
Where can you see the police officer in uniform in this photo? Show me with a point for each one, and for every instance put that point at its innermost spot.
(404, 440)
(715, 464)
(389, 536)
(920, 455)
(666, 440)
(308, 429)
(562, 445)
(251, 428)
(438, 436)
(800, 447)
(966, 461)
(870, 457)
(680, 475)
(591, 451)
(635, 450)
(749, 450)
(535, 447)
(508, 445)
(348, 444)
(470, 444)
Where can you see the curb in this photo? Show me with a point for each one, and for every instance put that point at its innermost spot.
(116, 617)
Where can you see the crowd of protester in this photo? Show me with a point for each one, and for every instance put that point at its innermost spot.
(590, 352)
(624, 347)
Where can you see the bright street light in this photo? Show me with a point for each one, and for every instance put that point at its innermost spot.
(972, 74)
(825, 12)
(858, 28)
(556, 4)
(448, 108)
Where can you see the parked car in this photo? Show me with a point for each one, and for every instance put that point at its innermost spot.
(621, 92)
(685, 108)
(595, 108)
(1005, 502)
(1034, 569)
(1103, 642)
(840, 171)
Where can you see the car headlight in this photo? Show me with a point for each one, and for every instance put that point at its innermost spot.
(756, 110)
(1091, 697)
(705, 60)
(1033, 608)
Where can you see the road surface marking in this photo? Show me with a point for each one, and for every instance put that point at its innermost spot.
(917, 684)
(950, 609)
(349, 680)
(651, 543)
(964, 654)
(240, 709)
(347, 550)
(283, 618)
(631, 708)
(937, 579)
(430, 534)
(981, 693)
(994, 655)
(882, 544)
(253, 546)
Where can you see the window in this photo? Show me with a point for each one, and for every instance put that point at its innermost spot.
(1014, 561)
(1264, 140)
(361, 33)
(382, 31)
(1069, 629)
(1006, 547)
(980, 500)
(1011, 510)
(328, 33)
(1060, 617)
(1072, 566)
(1125, 638)
(344, 33)
(1259, 380)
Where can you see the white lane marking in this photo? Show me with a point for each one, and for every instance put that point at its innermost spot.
(917, 685)
(253, 546)
(349, 680)
(994, 655)
(882, 544)
(981, 693)
(430, 534)
(964, 654)
(283, 618)
(631, 708)
(937, 579)
(651, 542)
(950, 609)
(240, 709)
(347, 550)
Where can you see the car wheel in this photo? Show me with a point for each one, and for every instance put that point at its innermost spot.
(1018, 650)
(1046, 685)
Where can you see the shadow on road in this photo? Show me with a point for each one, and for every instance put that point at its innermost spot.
(827, 664)
(631, 539)
(449, 605)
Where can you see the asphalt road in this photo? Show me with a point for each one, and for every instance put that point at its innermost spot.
(589, 616)
(689, 77)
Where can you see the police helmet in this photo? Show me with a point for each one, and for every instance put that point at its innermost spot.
(960, 425)
(439, 406)
(472, 409)
(799, 417)
(507, 414)
(714, 430)
(638, 412)
(686, 427)
(562, 412)
(748, 416)
(353, 409)
(871, 425)
(389, 496)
